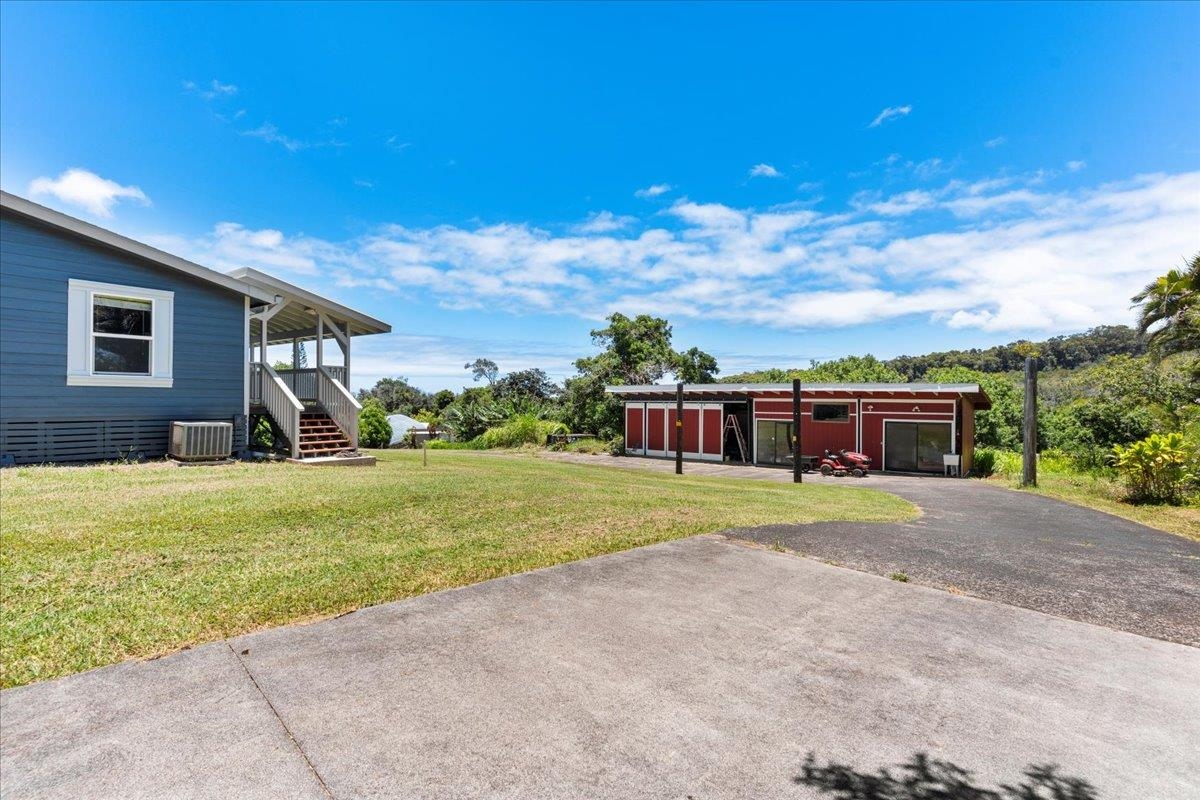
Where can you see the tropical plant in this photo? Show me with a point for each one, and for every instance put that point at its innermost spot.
(1170, 310)
(374, 430)
(520, 430)
(472, 413)
(1155, 469)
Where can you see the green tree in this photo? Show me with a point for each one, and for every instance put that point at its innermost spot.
(527, 387)
(396, 395)
(696, 366)
(634, 351)
(374, 430)
(1000, 425)
(1169, 316)
(482, 368)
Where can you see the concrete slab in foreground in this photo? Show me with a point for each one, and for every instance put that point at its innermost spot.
(699, 667)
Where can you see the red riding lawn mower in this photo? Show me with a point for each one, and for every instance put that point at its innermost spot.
(845, 462)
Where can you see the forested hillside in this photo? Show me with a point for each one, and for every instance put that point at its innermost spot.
(1061, 352)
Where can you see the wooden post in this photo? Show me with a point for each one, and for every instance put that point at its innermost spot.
(679, 429)
(320, 341)
(797, 458)
(346, 357)
(425, 453)
(1029, 428)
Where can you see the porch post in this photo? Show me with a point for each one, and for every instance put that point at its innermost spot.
(320, 340)
(346, 355)
(262, 339)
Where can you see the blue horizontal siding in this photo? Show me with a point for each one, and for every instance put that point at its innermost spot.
(36, 263)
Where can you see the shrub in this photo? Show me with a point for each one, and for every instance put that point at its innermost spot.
(1155, 470)
(985, 462)
(374, 430)
(442, 444)
(520, 430)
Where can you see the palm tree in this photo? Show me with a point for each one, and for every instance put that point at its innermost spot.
(1170, 310)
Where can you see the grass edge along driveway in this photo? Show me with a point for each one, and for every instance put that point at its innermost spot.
(106, 563)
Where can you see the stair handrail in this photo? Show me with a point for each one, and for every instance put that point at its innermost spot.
(282, 405)
(339, 404)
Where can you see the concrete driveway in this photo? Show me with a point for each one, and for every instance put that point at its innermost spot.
(704, 668)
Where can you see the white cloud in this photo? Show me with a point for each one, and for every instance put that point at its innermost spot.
(212, 91)
(653, 190)
(396, 144)
(605, 222)
(997, 142)
(79, 187)
(764, 171)
(1001, 257)
(271, 134)
(891, 112)
(363, 183)
(1075, 166)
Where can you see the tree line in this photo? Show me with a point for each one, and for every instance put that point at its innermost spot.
(1111, 385)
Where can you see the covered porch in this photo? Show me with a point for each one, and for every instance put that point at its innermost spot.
(308, 404)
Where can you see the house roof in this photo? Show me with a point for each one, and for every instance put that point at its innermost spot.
(296, 321)
(94, 233)
(971, 391)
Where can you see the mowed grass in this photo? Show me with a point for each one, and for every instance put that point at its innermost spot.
(106, 563)
(1105, 494)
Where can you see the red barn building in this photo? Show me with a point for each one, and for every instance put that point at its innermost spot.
(903, 427)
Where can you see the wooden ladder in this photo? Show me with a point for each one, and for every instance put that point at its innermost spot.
(732, 422)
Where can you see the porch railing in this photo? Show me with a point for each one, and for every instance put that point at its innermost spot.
(303, 382)
(338, 402)
(280, 402)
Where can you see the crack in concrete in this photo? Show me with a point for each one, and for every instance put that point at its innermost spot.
(291, 737)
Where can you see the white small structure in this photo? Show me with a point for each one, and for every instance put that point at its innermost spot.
(403, 426)
(952, 463)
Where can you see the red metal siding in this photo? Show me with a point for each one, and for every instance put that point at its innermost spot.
(712, 431)
(875, 411)
(633, 427)
(691, 431)
(815, 437)
(654, 435)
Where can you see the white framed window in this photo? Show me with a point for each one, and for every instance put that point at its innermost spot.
(119, 335)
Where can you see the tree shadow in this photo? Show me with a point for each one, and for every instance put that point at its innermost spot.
(925, 778)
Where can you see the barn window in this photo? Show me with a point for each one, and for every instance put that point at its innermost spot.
(831, 412)
(118, 335)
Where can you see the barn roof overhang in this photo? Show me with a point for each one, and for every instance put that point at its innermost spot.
(737, 392)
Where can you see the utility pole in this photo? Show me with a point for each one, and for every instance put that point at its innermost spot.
(1029, 428)
(679, 429)
(797, 465)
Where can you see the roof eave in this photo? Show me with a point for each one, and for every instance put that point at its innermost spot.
(57, 219)
(270, 283)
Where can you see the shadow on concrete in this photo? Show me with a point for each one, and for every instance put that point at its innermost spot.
(925, 778)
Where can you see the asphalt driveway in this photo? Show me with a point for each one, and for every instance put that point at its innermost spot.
(1022, 549)
(702, 668)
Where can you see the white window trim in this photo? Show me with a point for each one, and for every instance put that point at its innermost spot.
(81, 344)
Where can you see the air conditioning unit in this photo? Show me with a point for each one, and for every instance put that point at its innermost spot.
(201, 441)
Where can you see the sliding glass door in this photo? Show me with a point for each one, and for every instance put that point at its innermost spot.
(916, 446)
(773, 442)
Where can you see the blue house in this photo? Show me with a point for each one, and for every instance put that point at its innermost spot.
(105, 341)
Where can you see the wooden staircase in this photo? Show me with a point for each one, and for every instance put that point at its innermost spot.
(320, 436)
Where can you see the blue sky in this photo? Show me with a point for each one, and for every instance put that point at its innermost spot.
(782, 182)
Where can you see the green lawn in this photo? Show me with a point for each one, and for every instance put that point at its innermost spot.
(105, 563)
